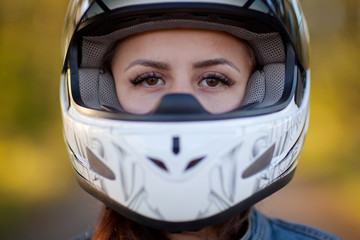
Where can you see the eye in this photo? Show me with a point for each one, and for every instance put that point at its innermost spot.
(148, 79)
(211, 83)
(153, 81)
(215, 80)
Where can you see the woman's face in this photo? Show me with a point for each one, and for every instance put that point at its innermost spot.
(212, 66)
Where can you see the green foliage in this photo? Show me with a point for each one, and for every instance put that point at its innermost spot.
(33, 162)
(30, 64)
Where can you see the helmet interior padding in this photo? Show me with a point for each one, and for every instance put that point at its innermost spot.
(265, 86)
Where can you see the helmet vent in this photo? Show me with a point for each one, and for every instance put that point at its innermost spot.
(193, 163)
(158, 163)
(260, 163)
(176, 145)
(98, 166)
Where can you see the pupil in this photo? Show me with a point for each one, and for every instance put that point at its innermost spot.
(152, 81)
(212, 82)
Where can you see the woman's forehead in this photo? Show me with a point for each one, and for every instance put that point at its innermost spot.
(191, 43)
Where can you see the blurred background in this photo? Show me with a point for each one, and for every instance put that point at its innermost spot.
(39, 196)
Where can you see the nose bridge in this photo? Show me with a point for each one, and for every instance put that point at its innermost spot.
(182, 84)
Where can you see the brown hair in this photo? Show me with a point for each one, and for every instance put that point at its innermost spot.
(253, 60)
(108, 58)
(113, 226)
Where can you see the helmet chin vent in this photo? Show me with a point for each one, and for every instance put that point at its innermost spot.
(179, 103)
(176, 145)
(193, 163)
(159, 163)
(98, 166)
(163, 167)
(260, 163)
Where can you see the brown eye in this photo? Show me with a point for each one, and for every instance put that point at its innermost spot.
(148, 79)
(152, 81)
(215, 80)
(212, 82)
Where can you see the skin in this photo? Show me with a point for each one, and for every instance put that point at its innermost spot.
(212, 66)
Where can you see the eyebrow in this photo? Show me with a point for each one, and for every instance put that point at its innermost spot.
(165, 66)
(149, 63)
(215, 61)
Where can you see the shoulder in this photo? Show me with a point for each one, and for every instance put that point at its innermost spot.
(83, 236)
(297, 231)
(265, 228)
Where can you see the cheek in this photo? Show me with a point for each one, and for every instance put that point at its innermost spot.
(135, 101)
(136, 106)
(224, 101)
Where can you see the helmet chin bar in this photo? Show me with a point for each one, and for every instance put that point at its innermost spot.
(268, 188)
(190, 225)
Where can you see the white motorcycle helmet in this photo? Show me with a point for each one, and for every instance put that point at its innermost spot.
(179, 167)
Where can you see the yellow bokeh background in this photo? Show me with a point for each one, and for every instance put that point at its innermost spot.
(34, 167)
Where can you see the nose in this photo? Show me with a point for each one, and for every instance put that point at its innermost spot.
(181, 97)
(182, 85)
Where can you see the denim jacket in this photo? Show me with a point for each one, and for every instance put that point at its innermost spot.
(263, 228)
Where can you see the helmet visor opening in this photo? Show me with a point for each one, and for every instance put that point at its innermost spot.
(268, 89)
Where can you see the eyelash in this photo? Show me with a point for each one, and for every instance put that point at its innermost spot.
(143, 77)
(216, 76)
(220, 77)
